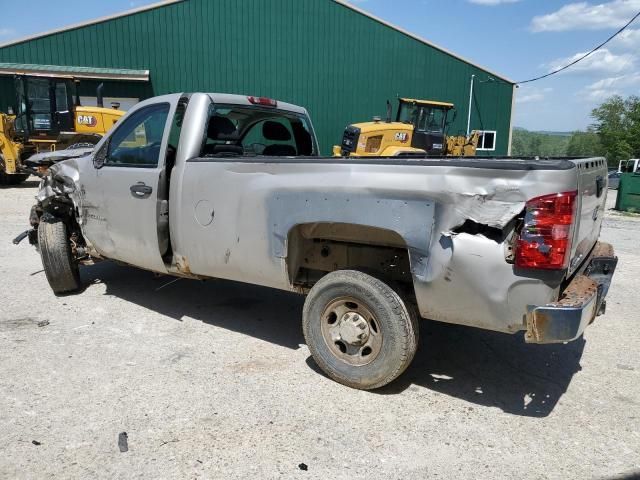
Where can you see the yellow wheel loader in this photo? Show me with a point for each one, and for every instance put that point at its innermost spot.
(420, 129)
(48, 119)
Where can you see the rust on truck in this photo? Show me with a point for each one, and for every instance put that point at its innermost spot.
(541, 324)
(579, 290)
(578, 304)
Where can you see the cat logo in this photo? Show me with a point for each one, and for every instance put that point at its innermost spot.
(88, 120)
(401, 137)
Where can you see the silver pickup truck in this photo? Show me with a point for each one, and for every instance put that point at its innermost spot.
(212, 185)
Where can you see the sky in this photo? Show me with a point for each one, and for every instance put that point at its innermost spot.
(518, 39)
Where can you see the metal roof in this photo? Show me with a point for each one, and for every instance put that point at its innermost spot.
(91, 22)
(340, 2)
(64, 71)
(420, 39)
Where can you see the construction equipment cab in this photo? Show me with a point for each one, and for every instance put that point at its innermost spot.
(49, 117)
(420, 128)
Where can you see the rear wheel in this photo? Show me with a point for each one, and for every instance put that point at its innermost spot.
(60, 268)
(358, 329)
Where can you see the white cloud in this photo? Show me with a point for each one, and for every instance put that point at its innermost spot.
(5, 32)
(527, 94)
(601, 61)
(587, 16)
(607, 87)
(627, 40)
(492, 3)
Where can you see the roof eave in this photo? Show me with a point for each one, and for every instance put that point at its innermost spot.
(60, 71)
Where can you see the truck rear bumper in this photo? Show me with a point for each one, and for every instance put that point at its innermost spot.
(580, 302)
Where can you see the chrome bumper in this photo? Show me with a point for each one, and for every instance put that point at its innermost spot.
(580, 302)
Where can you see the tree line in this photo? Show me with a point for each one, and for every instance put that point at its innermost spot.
(614, 134)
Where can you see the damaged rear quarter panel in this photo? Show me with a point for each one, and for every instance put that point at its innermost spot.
(458, 278)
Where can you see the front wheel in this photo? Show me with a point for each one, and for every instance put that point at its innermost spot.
(358, 329)
(59, 265)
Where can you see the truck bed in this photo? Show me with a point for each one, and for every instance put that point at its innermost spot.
(470, 208)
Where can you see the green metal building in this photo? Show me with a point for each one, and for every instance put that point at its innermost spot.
(338, 61)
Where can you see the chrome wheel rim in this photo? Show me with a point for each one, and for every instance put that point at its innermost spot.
(351, 331)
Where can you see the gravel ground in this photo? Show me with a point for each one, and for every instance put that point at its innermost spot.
(212, 380)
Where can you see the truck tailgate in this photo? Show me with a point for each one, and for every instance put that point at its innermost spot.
(590, 207)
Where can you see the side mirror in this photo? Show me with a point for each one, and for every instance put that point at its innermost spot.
(455, 115)
(101, 156)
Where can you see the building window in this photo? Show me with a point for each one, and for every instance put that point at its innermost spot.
(487, 140)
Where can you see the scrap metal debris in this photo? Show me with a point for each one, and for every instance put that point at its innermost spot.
(123, 443)
(168, 283)
(303, 466)
(175, 440)
(43, 323)
(36, 443)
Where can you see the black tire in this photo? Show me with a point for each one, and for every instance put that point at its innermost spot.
(13, 179)
(61, 270)
(395, 320)
(10, 179)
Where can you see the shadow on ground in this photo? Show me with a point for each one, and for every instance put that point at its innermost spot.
(26, 184)
(481, 367)
(491, 369)
(264, 313)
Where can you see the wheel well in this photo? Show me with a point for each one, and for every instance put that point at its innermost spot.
(315, 249)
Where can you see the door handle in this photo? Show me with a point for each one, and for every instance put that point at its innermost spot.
(140, 190)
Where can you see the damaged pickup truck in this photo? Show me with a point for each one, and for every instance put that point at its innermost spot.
(213, 185)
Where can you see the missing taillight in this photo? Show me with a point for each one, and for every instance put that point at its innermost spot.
(545, 239)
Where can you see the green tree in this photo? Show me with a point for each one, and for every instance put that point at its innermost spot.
(527, 144)
(617, 123)
(584, 144)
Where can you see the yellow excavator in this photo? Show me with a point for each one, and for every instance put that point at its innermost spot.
(420, 129)
(49, 118)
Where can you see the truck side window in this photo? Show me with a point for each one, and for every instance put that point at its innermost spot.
(136, 143)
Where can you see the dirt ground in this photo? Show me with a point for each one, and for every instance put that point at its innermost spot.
(213, 380)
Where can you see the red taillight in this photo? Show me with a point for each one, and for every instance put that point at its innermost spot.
(264, 101)
(545, 239)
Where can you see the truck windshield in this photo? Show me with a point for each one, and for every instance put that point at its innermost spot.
(238, 130)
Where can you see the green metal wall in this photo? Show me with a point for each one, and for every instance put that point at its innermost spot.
(338, 63)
